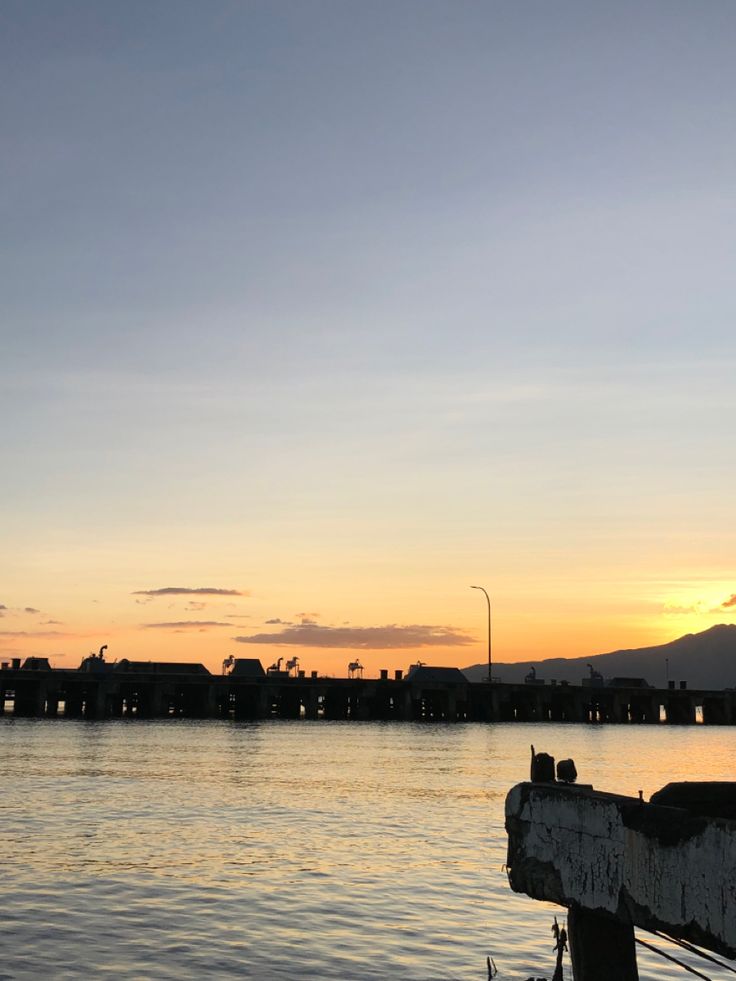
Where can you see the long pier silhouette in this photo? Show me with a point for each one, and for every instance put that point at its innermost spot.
(160, 690)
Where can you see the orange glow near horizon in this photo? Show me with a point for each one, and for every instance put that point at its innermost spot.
(201, 628)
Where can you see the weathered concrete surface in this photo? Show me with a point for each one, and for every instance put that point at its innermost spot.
(644, 864)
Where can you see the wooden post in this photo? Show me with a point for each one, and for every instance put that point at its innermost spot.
(601, 948)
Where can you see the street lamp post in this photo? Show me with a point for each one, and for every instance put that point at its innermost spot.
(488, 601)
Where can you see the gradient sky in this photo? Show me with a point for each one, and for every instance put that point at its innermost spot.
(343, 307)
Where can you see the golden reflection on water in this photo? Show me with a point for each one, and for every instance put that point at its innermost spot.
(283, 850)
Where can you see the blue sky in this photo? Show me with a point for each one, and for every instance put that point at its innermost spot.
(383, 289)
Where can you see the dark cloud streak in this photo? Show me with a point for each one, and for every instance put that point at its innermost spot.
(388, 637)
(190, 591)
(186, 624)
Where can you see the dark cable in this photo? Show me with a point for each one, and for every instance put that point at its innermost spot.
(694, 950)
(656, 950)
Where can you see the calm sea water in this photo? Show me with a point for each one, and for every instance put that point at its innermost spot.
(290, 850)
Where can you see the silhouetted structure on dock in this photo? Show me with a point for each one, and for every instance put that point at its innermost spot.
(161, 689)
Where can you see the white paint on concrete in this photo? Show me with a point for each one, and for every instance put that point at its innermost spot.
(600, 862)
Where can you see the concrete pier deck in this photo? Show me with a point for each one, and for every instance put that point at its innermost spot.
(619, 862)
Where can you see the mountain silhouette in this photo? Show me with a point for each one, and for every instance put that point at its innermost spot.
(704, 660)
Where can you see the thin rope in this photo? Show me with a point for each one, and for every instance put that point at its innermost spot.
(694, 950)
(669, 957)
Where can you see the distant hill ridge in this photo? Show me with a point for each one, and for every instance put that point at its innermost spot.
(704, 660)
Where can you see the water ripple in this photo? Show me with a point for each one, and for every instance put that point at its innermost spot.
(282, 850)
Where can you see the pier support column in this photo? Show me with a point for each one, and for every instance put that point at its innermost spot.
(452, 706)
(211, 704)
(620, 708)
(601, 948)
(73, 702)
(153, 700)
(729, 709)
(311, 704)
(30, 699)
(407, 710)
(364, 708)
(681, 710)
(495, 703)
(97, 702)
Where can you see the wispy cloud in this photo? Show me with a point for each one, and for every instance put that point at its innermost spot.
(30, 609)
(190, 591)
(700, 607)
(388, 637)
(34, 633)
(684, 609)
(186, 625)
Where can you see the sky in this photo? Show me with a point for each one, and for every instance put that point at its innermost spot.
(314, 314)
